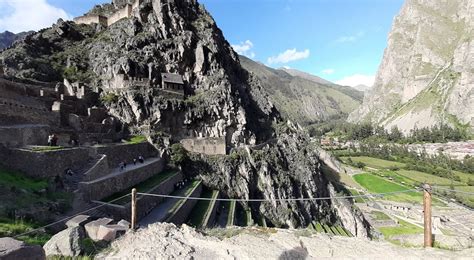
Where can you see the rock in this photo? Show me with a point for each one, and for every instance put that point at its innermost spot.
(124, 223)
(66, 242)
(92, 227)
(419, 83)
(11, 249)
(110, 232)
(75, 122)
(76, 221)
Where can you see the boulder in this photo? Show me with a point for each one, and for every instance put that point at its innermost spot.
(75, 122)
(66, 242)
(11, 249)
(110, 232)
(92, 227)
(79, 220)
(124, 223)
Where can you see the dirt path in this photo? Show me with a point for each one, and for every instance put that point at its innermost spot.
(165, 241)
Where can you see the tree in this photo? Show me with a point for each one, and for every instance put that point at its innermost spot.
(178, 154)
(395, 134)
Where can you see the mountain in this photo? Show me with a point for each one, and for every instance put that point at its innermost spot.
(7, 38)
(362, 87)
(302, 97)
(126, 61)
(427, 73)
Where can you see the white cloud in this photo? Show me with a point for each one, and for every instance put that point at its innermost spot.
(28, 15)
(357, 79)
(328, 71)
(244, 48)
(289, 55)
(350, 38)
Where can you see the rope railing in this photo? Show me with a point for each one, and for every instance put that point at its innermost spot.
(67, 218)
(277, 199)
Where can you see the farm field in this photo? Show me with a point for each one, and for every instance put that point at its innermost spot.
(376, 184)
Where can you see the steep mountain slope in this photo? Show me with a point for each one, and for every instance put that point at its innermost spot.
(427, 73)
(7, 38)
(302, 97)
(269, 159)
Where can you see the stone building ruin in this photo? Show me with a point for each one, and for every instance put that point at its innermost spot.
(124, 12)
(208, 146)
(172, 82)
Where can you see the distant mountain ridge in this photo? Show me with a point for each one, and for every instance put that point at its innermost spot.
(302, 97)
(7, 38)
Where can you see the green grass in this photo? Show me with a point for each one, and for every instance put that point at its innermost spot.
(144, 186)
(355, 193)
(379, 215)
(137, 139)
(179, 203)
(10, 228)
(328, 229)
(231, 215)
(375, 184)
(45, 148)
(319, 228)
(248, 218)
(16, 180)
(403, 228)
(374, 162)
(422, 177)
(199, 211)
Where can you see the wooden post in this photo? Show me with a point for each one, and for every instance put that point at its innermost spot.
(427, 215)
(133, 221)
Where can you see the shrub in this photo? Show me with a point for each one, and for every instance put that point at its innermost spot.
(109, 98)
(178, 154)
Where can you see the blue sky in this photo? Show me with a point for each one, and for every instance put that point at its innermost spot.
(340, 40)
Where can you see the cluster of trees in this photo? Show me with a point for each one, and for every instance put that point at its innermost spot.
(438, 164)
(367, 131)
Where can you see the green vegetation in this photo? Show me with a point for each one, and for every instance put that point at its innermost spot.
(14, 180)
(199, 211)
(109, 98)
(187, 192)
(137, 139)
(178, 154)
(375, 184)
(373, 162)
(355, 193)
(9, 228)
(367, 132)
(403, 228)
(144, 186)
(379, 215)
(231, 215)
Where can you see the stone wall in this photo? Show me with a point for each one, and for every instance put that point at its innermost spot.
(144, 203)
(17, 112)
(119, 181)
(91, 19)
(44, 164)
(125, 12)
(182, 213)
(21, 135)
(209, 146)
(98, 170)
(117, 153)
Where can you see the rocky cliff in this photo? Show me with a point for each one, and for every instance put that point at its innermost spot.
(222, 100)
(427, 72)
(302, 97)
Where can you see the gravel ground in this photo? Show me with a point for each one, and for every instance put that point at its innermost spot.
(166, 241)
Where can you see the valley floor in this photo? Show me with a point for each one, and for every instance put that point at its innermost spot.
(165, 241)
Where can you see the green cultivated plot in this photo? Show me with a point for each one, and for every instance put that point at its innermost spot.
(375, 184)
(199, 211)
(378, 215)
(403, 228)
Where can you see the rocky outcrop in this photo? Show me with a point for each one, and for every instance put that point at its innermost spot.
(8, 38)
(222, 100)
(66, 242)
(426, 76)
(11, 249)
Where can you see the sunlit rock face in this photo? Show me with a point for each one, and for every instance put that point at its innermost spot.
(426, 75)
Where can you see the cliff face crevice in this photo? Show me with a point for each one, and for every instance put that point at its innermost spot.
(426, 75)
